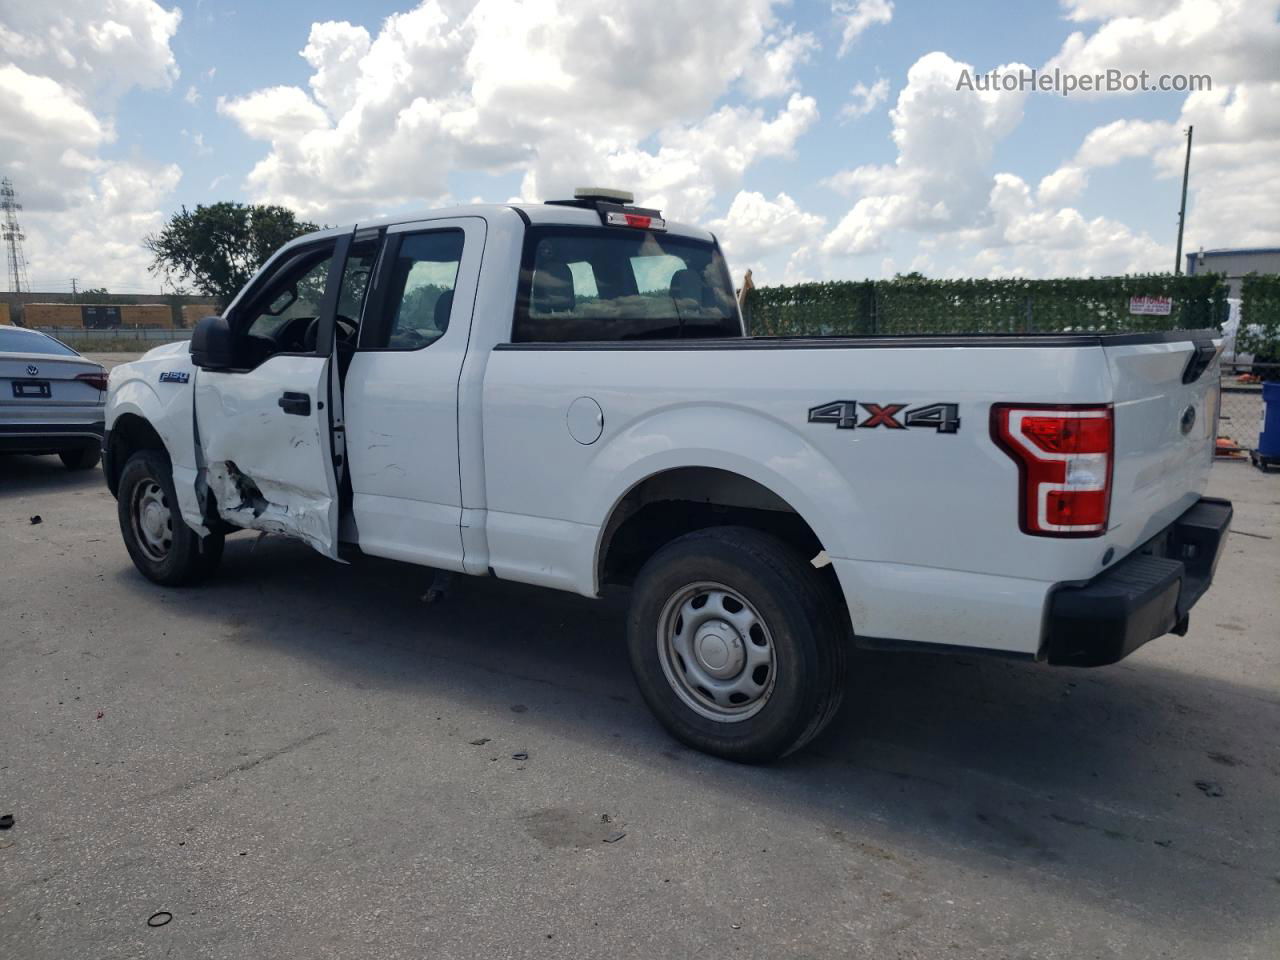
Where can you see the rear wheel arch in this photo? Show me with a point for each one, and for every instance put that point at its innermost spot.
(670, 503)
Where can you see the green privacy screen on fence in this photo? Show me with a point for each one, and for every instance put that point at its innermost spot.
(1260, 313)
(917, 305)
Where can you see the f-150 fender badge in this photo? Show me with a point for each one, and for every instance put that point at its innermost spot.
(175, 376)
(939, 417)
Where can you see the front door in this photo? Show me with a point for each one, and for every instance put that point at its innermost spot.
(264, 426)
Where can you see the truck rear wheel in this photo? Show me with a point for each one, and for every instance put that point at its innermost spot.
(737, 644)
(159, 541)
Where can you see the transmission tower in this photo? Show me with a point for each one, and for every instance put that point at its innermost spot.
(13, 236)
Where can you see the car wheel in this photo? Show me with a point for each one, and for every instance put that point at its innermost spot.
(737, 644)
(159, 541)
(85, 458)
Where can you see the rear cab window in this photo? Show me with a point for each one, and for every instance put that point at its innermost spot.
(609, 283)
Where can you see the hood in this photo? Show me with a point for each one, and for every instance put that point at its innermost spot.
(177, 348)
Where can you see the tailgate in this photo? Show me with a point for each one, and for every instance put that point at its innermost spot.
(1166, 415)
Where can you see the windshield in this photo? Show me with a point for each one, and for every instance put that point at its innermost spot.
(28, 341)
(590, 284)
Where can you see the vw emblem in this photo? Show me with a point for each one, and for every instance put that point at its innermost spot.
(32, 369)
(1188, 419)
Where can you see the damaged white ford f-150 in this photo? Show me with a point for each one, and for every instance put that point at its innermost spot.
(562, 394)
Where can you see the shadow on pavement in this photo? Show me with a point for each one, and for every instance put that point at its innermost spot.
(1083, 782)
(24, 474)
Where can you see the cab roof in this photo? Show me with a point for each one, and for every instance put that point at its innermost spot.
(535, 213)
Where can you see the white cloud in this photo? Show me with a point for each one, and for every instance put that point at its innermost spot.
(604, 90)
(856, 16)
(1235, 160)
(771, 72)
(940, 181)
(67, 65)
(1064, 184)
(865, 99)
(945, 180)
(1233, 41)
(1123, 140)
(755, 229)
(130, 200)
(192, 96)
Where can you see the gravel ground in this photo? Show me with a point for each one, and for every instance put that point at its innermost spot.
(301, 758)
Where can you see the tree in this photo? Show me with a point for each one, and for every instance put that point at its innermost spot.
(219, 247)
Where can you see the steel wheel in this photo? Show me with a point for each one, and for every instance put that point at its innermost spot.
(716, 652)
(152, 520)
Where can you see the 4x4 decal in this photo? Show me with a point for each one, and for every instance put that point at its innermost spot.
(940, 417)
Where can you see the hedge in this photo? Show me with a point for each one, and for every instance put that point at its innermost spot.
(1259, 315)
(917, 305)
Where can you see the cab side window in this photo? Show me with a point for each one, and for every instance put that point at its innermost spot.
(419, 297)
(290, 297)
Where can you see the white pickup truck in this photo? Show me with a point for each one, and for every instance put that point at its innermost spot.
(562, 394)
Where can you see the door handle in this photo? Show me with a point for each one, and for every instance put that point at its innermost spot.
(298, 404)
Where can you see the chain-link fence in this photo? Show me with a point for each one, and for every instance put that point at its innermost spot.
(1240, 417)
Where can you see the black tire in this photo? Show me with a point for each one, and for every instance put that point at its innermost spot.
(184, 556)
(85, 458)
(806, 637)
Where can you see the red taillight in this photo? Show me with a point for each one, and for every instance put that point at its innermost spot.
(96, 380)
(641, 221)
(1064, 456)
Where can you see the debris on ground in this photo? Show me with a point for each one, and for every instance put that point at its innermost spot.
(101, 714)
(439, 588)
(1210, 788)
(614, 837)
(520, 755)
(159, 918)
(6, 821)
(479, 741)
(605, 818)
(36, 519)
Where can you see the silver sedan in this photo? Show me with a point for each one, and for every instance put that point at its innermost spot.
(51, 399)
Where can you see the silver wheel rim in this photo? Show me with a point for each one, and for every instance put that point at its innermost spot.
(152, 520)
(716, 652)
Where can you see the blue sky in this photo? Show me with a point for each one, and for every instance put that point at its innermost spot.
(457, 101)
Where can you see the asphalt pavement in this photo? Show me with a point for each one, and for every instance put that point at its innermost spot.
(301, 758)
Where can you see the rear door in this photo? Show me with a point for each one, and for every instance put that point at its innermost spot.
(1166, 413)
(401, 393)
(265, 430)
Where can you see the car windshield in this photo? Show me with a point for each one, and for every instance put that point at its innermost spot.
(591, 284)
(29, 341)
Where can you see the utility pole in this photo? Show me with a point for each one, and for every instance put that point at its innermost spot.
(1182, 211)
(73, 290)
(13, 236)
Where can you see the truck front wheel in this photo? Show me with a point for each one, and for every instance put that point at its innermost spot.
(737, 644)
(159, 541)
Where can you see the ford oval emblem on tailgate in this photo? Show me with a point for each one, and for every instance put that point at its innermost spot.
(1188, 419)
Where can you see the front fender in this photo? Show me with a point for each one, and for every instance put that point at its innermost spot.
(135, 390)
(732, 438)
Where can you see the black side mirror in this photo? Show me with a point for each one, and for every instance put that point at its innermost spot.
(211, 344)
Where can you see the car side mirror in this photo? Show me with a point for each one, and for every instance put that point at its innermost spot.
(211, 344)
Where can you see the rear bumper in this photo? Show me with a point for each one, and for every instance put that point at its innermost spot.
(25, 437)
(1144, 596)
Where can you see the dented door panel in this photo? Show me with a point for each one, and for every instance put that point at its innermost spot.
(270, 469)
